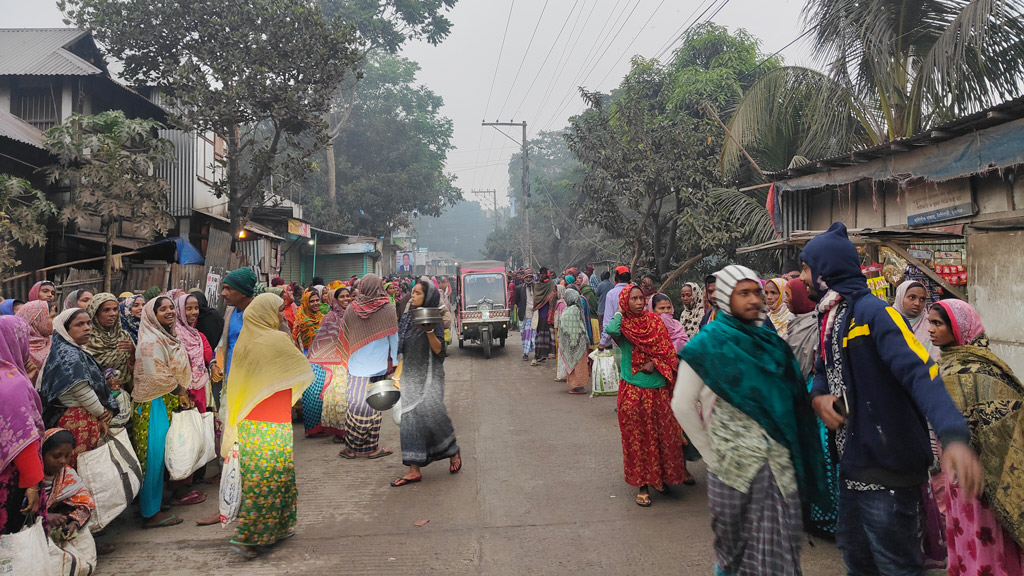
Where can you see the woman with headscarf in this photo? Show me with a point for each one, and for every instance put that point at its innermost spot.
(43, 290)
(652, 441)
(589, 302)
(329, 406)
(131, 315)
(162, 377)
(692, 296)
(209, 323)
(427, 432)
(21, 430)
(760, 442)
(574, 343)
(40, 330)
(198, 349)
(78, 299)
(559, 307)
(268, 376)
(369, 338)
(986, 535)
(392, 291)
(778, 310)
(912, 303)
(10, 307)
(75, 392)
(662, 306)
(802, 336)
(307, 320)
(110, 343)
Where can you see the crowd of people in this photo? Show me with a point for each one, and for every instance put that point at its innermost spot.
(815, 405)
(77, 373)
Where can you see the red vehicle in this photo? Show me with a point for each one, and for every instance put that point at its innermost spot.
(484, 310)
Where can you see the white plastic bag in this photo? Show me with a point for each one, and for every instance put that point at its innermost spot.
(604, 375)
(230, 488)
(113, 475)
(76, 558)
(124, 410)
(209, 438)
(186, 446)
(396, 412)
(25, 553)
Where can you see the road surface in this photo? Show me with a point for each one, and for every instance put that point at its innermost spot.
(541, 492)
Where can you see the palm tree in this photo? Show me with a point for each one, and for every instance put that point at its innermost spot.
(892, 69)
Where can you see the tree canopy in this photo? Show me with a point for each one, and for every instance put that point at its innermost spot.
(23, 213)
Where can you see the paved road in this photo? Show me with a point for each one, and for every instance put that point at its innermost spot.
(541, 492)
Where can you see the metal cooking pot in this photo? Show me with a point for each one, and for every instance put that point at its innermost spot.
(427, 315)
(382, 395)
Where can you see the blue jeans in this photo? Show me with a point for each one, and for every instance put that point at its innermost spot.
(880, 531)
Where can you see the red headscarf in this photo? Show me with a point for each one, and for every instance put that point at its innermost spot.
(799, 301)
(649, 337)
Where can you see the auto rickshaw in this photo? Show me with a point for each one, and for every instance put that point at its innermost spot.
(484, 309)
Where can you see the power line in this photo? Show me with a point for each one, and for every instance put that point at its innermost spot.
(497, 65)
(525, 54)
(563, 60)
(674, 39)
(548, 55)
(631, 42)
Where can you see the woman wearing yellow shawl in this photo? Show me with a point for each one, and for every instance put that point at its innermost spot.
(307, 320)
(268, 376)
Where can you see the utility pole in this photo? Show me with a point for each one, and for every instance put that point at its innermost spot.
(494, 199)
(526, 184)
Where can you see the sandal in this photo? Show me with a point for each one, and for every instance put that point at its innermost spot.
(348, 454)
(382, 453)
(403, 481)
(168, 521)
(643, 500)
(577, 390)
(193, 497)
(454, 468)
(247, 552)
(338, 440)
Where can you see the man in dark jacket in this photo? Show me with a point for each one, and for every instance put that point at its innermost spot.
(877, 387)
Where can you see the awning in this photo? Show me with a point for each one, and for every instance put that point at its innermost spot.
(249, 226)
(862, 235)
(102, 239)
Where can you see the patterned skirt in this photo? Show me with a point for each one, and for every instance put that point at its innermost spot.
(758, 532)
(362, 423)
(312, 400)
(84, 427)
(652, 440)
(542, 338)
(269, 495)
(526, 333)
(976, 541)
(335, 402)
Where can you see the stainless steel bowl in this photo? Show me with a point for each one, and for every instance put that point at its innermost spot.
(382, 395)
(427, 315)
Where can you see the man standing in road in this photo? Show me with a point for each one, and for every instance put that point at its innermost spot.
(878, 388)
(524, 306)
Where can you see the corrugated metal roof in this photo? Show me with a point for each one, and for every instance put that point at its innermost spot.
(17, 129)
(42, 52)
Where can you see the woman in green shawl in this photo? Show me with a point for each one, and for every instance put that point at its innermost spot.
(573, 343)
(110, 344)
(984, 535)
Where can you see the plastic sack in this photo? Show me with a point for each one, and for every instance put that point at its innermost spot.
(124, 409)
(396, 412)
(25, 553)
(186, 444)
(230, 499)
(209, 438)
(113, 475)
(604, 374)
(77, 557)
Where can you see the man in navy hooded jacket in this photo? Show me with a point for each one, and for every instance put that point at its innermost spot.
(876, 385)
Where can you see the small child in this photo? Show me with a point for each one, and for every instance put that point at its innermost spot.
(69, 504)
(662, 306)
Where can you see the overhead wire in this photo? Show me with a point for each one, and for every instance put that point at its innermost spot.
(548, 55)
(563, 60)
(525, 54)
(497, 66)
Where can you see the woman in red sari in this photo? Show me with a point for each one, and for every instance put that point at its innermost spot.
(652, 440)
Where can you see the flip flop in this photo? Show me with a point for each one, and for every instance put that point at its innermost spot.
(454, 468)
(643, 500)
(384, 452)
(169, 521)
(193, 497)
(347, 455)
(403, 481)
(577, 391)
(247, 552)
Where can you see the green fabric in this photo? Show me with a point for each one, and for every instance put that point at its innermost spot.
(591, 297)
(640, 379)
(573, 339)
(755, 371)
(151, 292)
(244, 280)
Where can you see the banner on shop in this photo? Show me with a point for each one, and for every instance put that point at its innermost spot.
(931, 202)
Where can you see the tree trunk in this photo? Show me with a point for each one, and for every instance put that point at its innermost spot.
(637, 244)
(235, 193)
(108, 256)
(332, 176)
(682, 268)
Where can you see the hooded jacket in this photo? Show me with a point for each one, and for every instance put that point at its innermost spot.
(893, 387)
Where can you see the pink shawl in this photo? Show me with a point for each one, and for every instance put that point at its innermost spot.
(193, 343)
(965, 322)
(37, 314)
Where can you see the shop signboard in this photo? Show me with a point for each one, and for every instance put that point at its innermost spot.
(298, 227)
(931, 202)
(920, 254)
(948, 255)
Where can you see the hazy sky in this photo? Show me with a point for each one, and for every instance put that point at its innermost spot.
(574, 42)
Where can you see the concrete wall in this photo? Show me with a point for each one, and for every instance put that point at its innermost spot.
(994, 262)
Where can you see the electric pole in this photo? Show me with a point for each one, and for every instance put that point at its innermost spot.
(494, 199)
(526, 184)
